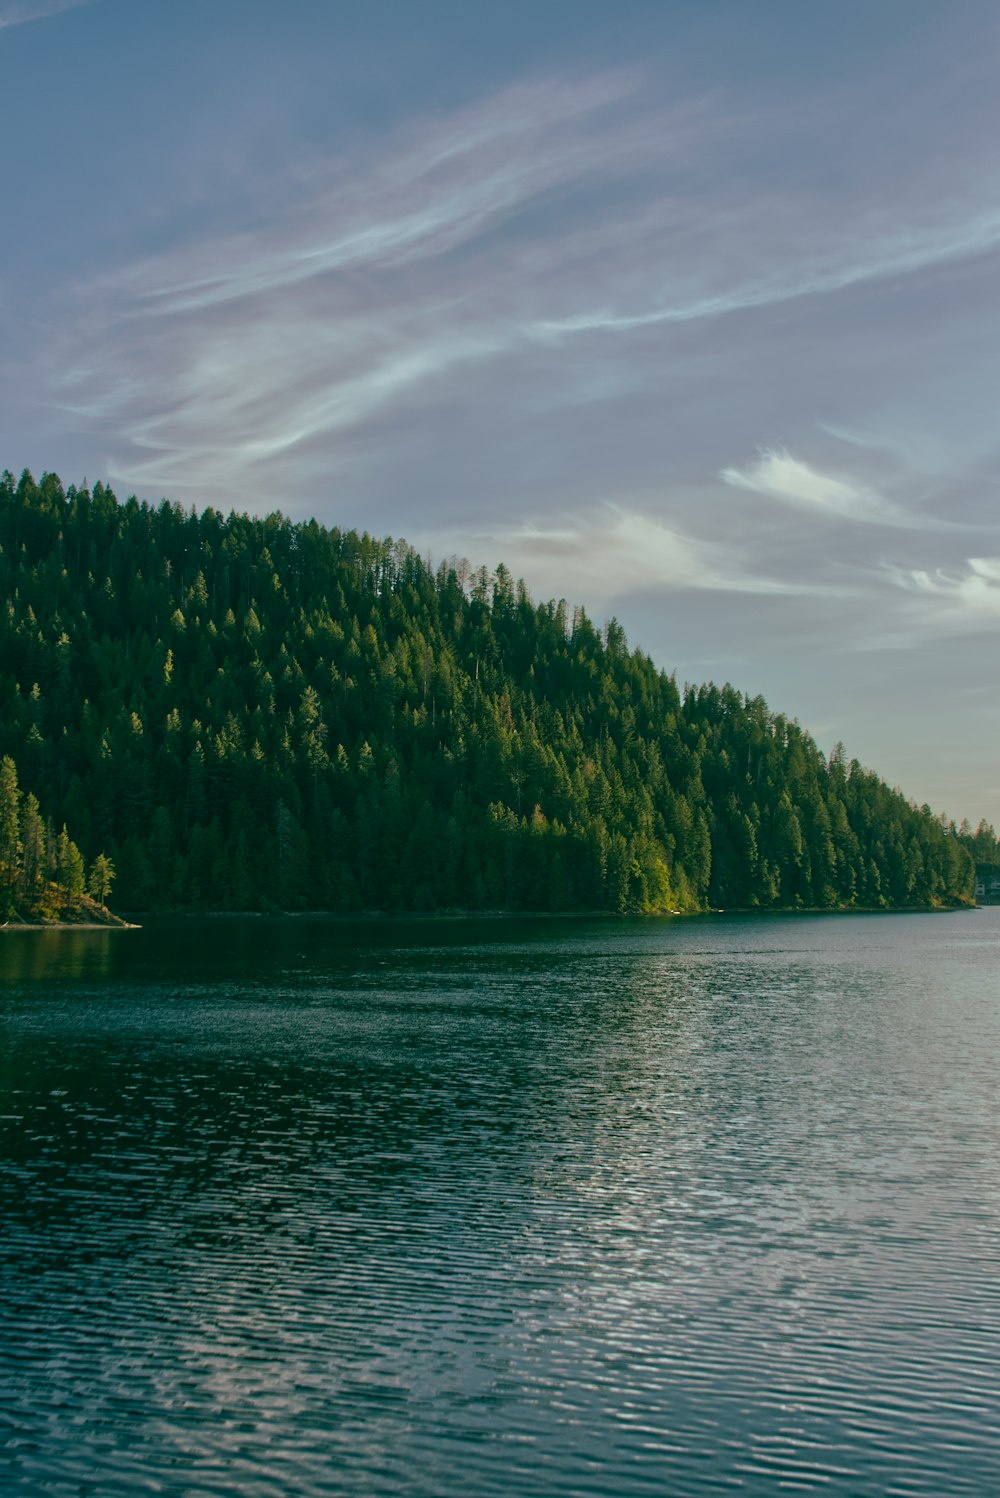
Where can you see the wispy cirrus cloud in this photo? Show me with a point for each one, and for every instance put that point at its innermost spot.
(459, 256)
(611, 550)
(446, 185)
(776, 474)
(876, 250)
(23, 11)
(967, 597)
(356, 300)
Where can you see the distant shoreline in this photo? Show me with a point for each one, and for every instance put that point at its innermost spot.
(374, 917)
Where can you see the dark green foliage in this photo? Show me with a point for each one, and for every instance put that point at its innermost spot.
(41, 874)
(984, 846)
(246, 713)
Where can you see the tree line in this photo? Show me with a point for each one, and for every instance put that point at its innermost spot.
(241, 712)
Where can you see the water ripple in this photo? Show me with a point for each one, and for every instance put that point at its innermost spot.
(558, 1208)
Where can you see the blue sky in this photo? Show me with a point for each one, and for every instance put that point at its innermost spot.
(687, 312)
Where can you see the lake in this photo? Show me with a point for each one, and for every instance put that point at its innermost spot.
(533, 1207)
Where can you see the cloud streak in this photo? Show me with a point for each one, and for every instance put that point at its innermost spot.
(610, 550)
(777, 475)
(876, 254)
(20, 14)
(353, 306)
(968, 599)
(420, 201)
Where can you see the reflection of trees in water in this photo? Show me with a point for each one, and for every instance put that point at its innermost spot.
(63, 955)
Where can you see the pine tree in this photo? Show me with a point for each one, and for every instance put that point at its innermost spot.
(10, 816)
(100, 879)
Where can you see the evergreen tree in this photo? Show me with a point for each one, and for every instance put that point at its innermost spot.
(100, 879)
(10, 816)
(69, 865)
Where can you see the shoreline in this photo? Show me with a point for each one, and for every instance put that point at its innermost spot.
(69, 926)
(373, 917)
(376, 917)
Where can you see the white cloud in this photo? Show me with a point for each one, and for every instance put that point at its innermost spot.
(19, 14)
(609, 551)
(986, 568)
(777, 475)
(969, 598)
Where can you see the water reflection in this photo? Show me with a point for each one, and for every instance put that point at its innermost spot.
(461, 1208)
(57, 955)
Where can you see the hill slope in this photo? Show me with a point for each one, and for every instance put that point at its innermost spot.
(250, 713)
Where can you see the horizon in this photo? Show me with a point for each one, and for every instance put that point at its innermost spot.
(682, 316)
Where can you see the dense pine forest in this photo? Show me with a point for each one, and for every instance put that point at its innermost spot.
(245, 713)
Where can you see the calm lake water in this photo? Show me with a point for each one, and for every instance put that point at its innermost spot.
(665, 1207)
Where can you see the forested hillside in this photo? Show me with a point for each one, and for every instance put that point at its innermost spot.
(248, 713)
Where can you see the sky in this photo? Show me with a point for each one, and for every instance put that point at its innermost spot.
(687, 311)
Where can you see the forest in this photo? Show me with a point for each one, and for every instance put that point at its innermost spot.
(245, 713)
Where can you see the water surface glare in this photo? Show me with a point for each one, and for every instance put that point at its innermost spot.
(665, 1207)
